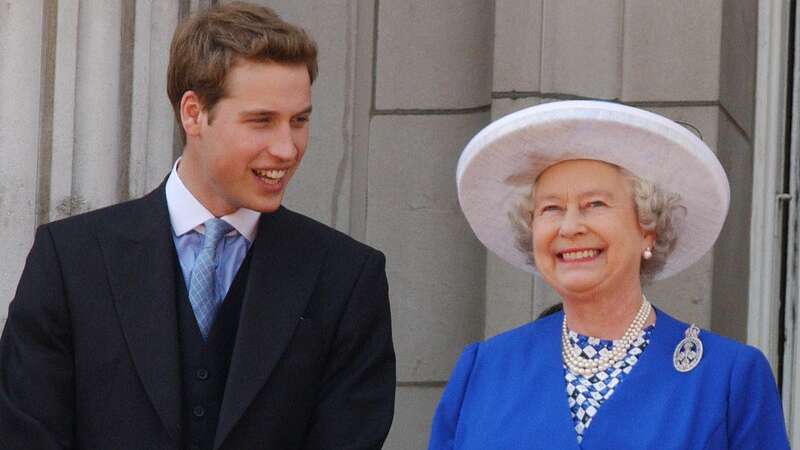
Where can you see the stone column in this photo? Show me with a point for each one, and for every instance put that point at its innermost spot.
(432, 93)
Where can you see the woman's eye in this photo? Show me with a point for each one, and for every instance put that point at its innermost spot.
(596, 204)
(549, 208)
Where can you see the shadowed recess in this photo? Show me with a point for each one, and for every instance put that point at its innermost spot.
(46, 94)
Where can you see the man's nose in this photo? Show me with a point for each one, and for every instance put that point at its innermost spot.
(282, 145)
(571, 223)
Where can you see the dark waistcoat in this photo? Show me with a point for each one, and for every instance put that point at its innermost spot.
(205, 364)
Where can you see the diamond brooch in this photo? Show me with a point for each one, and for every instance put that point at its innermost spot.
(689, 350)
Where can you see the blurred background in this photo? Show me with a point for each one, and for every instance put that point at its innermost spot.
(85, 122)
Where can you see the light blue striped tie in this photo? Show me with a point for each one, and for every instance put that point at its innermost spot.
(202, 294)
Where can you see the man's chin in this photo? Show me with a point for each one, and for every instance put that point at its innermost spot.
(266, 207)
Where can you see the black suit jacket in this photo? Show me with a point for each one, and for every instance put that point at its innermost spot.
(89, 355)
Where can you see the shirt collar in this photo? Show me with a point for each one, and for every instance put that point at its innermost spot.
(186, 213)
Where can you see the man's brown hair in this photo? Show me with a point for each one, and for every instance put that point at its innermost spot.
(208, 44)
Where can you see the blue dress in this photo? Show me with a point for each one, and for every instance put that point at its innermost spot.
(508, 393)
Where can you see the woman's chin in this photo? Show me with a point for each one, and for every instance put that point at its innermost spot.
(577, 285)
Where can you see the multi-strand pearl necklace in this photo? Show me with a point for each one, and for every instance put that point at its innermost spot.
(587, 367)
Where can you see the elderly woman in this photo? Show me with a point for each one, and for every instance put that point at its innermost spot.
(596, 197)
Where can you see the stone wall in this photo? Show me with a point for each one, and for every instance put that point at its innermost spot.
(737, 108)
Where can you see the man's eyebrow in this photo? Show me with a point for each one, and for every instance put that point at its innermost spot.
(269, 112)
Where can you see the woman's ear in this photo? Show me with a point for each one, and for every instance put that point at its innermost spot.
(649, 240)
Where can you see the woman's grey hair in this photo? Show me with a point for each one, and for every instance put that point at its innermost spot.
(657, 211)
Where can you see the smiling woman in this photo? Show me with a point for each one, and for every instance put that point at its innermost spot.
(656, 212)
(596, 197)
(586, 236)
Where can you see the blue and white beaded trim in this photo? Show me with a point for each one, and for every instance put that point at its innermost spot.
(585, 395)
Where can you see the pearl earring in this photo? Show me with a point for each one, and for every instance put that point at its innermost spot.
(647, 253)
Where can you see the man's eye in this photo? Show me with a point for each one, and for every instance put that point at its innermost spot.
(301, 120)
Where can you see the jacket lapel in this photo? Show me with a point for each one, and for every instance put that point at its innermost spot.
(283, 271)
(140, 257)
(549, 383)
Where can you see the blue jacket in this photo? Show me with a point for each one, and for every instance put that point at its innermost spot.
(509, 393)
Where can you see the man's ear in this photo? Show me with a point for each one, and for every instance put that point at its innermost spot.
(191, 113)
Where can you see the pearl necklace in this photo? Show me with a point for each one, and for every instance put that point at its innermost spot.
(577, 363)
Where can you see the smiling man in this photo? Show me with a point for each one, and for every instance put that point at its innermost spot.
(206, 315)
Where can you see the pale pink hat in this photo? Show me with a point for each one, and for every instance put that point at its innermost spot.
(501, 163)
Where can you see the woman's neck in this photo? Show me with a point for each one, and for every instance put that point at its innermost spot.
(604, 315)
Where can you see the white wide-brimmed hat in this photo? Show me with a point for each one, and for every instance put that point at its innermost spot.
(501, 163)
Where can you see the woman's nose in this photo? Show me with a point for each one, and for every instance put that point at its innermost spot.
(571, 223)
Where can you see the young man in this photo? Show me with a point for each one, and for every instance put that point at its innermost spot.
(206, 315)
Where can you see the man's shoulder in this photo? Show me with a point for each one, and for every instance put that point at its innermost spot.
(325, 234)
(126, 213)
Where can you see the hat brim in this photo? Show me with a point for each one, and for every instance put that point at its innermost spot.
(502, 162)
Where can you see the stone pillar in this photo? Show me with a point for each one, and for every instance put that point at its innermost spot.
(154, 140)
(737, 76)
(432, 93)
(21, 40)
(101, 96)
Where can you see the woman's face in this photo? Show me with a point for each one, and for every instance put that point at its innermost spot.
(586, 237)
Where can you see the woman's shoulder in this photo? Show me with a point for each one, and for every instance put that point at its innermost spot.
(513, 354)
(531, 336)
(738, 378)
(722, 350)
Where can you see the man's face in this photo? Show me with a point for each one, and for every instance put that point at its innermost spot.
(243, 152)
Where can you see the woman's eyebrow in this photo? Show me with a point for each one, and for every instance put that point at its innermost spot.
(589, 193)
(598, 193)
(547, 198)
